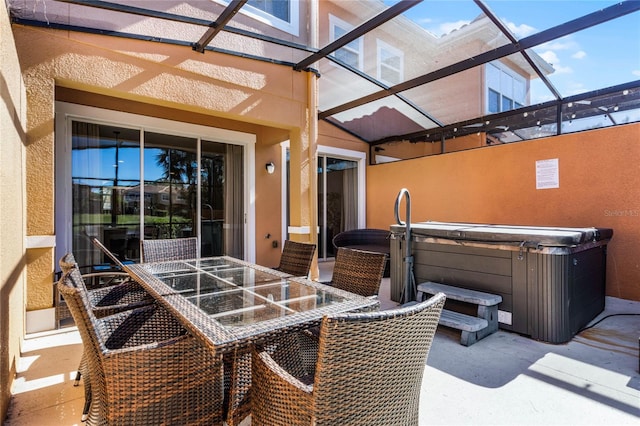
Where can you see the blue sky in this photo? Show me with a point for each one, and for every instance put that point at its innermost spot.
(603, 56)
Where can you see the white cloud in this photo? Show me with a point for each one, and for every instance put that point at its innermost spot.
(550, 56)
(563, 70)
(575, 88)
(636, 73)
(521, 30)
(562, 44)
(580, 54)
(447, 27)
(424, 21)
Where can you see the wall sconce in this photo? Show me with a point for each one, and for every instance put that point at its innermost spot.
(270, 167)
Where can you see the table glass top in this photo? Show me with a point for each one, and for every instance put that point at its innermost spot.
(237, 294)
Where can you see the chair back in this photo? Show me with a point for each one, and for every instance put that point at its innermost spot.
(67, 263)
(370, 365)
(296, 258)
(142, 365)
(72, 288)
(358, 271)
(169, 249)
(96, 242)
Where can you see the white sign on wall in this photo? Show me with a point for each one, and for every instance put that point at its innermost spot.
(547, 174)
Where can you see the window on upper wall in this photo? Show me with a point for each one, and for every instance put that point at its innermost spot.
(390, 63)
(278, 8)
(506, 90)
(280, 14)
(350, 54)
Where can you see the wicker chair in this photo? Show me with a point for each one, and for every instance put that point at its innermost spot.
(143, 366)
(169, 249)
(367, 370)
(108, 293)
(367, 239)
(296, 258)
(358, 271)
(114, 259)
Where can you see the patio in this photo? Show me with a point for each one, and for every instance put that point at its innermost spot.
(503, 379)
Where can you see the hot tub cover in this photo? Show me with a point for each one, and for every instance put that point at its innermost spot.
(530, 235)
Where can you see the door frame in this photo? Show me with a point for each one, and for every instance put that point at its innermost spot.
(346, 154)
(66, 112)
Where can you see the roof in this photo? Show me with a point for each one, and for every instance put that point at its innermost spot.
(387, 74)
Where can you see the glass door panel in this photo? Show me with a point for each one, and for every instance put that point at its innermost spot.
(110, 203)
(337, 200)
(212, 218)
(105, 177)
(170, 186)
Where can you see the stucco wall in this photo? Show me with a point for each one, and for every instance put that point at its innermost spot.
(12, 214)
(219, 89)
(599, 186)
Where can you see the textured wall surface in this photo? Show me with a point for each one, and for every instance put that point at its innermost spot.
(12, 209)
(599, 186)
(171, 82)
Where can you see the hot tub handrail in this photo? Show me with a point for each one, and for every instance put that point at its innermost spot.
(409, 288)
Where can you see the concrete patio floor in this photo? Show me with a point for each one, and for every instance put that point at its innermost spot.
(504, 379)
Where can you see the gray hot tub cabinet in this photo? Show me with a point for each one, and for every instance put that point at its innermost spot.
(552, 280)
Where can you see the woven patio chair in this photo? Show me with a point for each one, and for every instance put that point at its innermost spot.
(367, 370)
(358, 271)
(296, 258)
(169, 249)
(143, 366)
(114, 259)
(108, 293)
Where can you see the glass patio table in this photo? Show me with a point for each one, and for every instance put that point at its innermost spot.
(229, 303)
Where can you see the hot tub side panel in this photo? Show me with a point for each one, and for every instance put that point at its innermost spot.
(476, 268)
(548, 297)
(564, 293)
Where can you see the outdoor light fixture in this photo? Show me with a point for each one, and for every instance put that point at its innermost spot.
(270, 167)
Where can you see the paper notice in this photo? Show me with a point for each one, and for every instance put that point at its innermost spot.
(547, 175)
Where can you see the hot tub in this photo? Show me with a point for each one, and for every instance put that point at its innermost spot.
(552, 280)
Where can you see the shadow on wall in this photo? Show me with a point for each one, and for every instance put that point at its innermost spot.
(7, 347)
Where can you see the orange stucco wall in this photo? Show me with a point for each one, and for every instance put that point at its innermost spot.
(173, 82)
(599, 186)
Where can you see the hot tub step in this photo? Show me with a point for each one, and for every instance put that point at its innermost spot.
(473, 328)
(461, 321)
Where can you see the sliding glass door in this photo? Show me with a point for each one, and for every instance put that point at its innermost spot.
(337, 200)
(131, 184)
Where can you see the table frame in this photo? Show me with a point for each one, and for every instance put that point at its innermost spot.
(225, 339)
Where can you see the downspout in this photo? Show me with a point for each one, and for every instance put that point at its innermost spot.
(312, 126)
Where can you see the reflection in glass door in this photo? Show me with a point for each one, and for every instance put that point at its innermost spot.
(110, 203)
(337, 200)
(221, 200)
(105, 163)
(170, 184)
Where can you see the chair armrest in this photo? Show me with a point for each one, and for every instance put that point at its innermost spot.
(144, 326)
(110, 300)
(267, 369)
(105, 279)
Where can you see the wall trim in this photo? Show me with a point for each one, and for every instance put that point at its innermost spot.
(40, 241)
(40, 320)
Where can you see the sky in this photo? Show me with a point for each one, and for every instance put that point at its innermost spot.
(602, 56)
